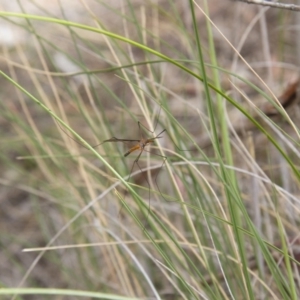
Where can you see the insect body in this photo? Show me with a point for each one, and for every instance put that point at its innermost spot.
(141, 144)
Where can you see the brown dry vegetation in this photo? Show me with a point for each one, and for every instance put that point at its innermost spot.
(39, 196)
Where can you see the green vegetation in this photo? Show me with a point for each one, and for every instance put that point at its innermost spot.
(217, 219)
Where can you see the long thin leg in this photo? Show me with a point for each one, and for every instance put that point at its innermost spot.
(156, 122)
(128, 180)
(176, 144)
(145, 177)
(136, 161)
(155, 178)
(75, 140)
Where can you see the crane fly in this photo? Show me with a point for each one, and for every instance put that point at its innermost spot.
(138, 145)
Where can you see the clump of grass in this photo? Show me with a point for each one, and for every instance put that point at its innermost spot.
(222, 219)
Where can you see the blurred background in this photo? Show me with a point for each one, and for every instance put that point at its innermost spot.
(185, 211)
